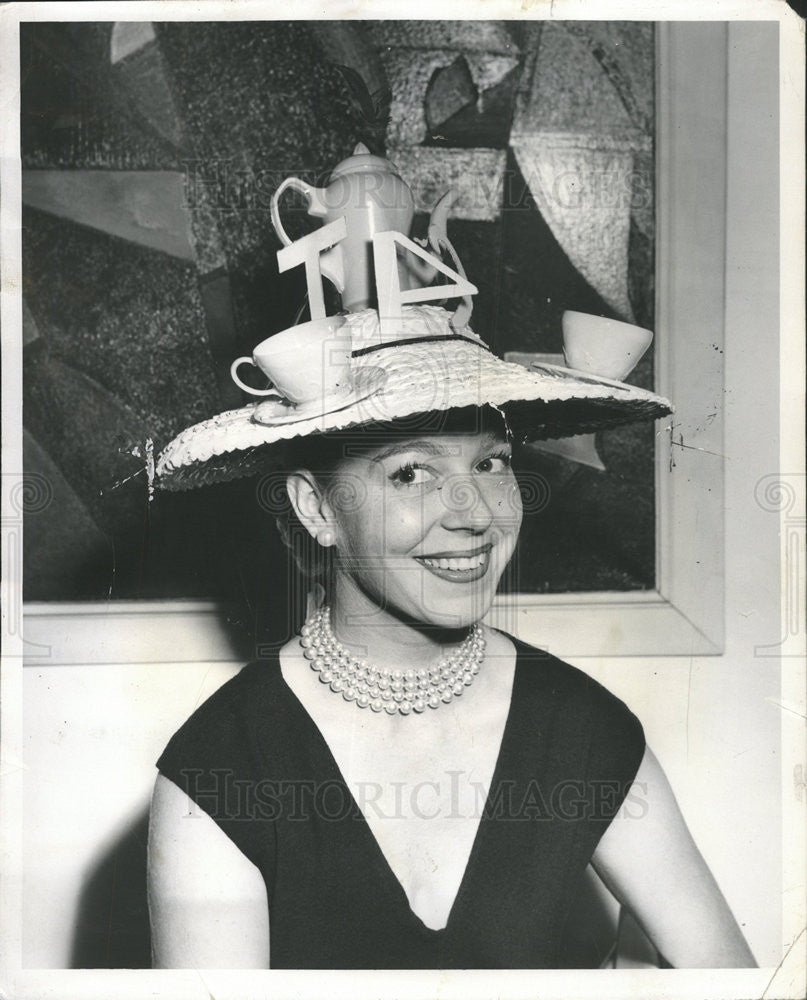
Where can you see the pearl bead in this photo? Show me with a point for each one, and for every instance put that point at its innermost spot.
(398, 692)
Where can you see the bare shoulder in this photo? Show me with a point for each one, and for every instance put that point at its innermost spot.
(181, 834)
(207, 901)
(649, 860)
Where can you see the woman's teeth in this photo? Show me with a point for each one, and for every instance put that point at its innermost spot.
(470, 562)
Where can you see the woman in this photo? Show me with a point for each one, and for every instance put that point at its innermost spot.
(398, 785)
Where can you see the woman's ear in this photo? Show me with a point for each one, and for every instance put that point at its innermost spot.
(312, 509)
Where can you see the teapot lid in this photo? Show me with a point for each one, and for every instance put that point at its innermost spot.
(362, 160)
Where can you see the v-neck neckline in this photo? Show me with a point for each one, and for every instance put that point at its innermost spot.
(376, 851)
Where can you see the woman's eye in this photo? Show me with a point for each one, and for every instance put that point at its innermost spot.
(495, 463)
(411, 475)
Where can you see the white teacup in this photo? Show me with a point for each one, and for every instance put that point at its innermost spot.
(305, 363)
(605, 347)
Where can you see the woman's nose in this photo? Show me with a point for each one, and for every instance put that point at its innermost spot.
(466, 505)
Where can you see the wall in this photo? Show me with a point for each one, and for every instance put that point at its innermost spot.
(714, 721)
(93, 734)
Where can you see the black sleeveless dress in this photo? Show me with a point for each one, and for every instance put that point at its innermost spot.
(253, 759)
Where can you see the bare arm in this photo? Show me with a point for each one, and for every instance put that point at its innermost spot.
(652, 865)
(207, 901)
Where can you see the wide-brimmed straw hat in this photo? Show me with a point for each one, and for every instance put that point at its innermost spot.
(424, 366)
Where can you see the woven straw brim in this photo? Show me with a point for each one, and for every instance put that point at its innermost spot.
(541, 402)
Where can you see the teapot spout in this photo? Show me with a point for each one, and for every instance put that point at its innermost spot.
(437, 235)
(438, 223)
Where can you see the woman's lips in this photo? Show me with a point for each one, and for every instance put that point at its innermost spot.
(458, 568)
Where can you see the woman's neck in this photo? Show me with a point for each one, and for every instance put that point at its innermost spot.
(380, 635)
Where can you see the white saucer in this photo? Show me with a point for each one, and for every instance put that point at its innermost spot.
(559, 372)
(273, 412)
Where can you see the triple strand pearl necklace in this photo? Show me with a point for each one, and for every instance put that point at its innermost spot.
(397, 692)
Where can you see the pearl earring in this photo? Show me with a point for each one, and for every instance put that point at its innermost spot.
(325, 538)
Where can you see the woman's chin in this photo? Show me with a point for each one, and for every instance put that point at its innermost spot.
(456, 613)
(436, 603)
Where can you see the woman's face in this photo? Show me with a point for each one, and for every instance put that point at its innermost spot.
(426, 526)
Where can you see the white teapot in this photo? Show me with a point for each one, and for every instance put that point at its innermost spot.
(368, 191)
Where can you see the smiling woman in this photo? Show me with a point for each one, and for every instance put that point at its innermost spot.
(447, 503)
(397, 785)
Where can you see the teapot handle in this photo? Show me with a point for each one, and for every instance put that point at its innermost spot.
(316, 206)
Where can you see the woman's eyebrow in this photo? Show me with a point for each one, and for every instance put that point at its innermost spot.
(490, 438)
(429, 447)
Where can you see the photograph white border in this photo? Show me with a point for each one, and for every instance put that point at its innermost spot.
(788, 979)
